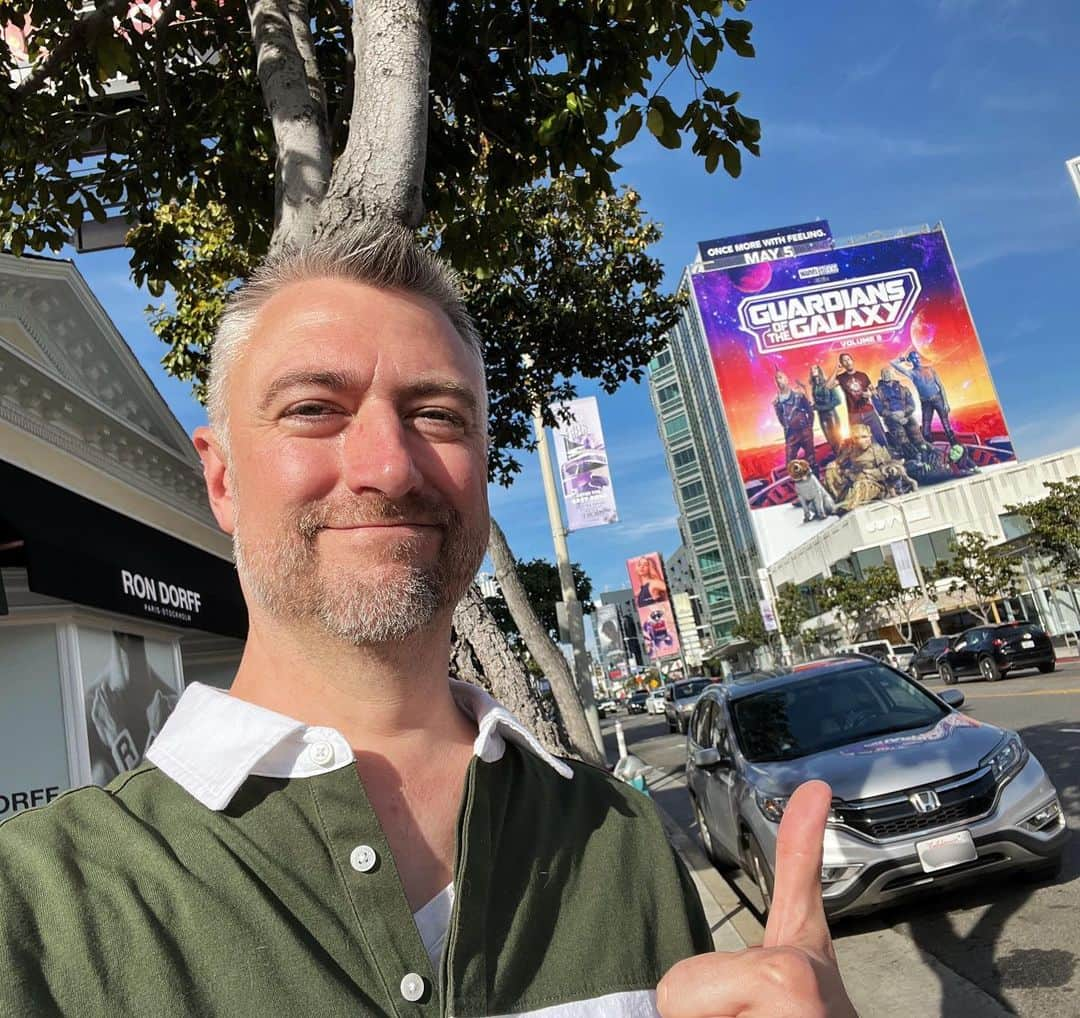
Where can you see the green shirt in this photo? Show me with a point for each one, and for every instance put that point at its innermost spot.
(137, 899)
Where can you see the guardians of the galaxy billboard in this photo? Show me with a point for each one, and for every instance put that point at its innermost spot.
(848, 376)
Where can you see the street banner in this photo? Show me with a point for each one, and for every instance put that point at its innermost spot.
(768, 616)
(584, 474)
(653, 605)
(766, 245)
(847, 377)
(905, 568)
(608, 638)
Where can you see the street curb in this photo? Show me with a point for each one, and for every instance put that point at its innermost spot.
(728, 916)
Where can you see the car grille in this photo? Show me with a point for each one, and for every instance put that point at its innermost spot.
(894, 817)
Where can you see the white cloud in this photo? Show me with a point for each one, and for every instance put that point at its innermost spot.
(866, 141)
(1036, 439)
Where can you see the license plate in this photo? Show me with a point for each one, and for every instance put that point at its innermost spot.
(945, 851)
(1027, 644)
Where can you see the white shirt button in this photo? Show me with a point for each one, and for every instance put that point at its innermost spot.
(321, 753)
(412, 987)
(363, 859)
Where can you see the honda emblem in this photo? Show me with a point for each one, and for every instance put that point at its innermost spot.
(925, 801)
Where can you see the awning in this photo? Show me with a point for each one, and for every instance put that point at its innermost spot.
(83, 552)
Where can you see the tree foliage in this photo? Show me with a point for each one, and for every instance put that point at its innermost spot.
(859, 604)
(1055, 526)
(978, 573)
(528, 107)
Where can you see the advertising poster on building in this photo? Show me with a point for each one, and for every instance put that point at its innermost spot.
(653, 605)
(766, 245)
(584, 475)
(848, 376)
(130, 689)
(608, 638)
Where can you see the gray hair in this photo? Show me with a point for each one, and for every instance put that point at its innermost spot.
(379, 254)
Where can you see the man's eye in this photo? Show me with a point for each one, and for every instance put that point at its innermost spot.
(310, 410)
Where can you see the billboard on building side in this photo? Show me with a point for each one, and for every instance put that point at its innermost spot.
(653, 603)
(766, 245)
(848, 376)
(584, 475)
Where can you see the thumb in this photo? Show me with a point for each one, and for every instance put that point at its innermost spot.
(797, 917)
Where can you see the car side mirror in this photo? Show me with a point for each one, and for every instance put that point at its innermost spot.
(710, 758)
(953, 697)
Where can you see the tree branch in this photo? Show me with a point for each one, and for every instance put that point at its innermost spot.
(296, 101)
(380, 173)
(547, 655)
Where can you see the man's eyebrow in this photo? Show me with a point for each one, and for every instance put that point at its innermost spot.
(444, 387)
(335, 381)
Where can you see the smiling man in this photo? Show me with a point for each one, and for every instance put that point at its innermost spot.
(347, 831)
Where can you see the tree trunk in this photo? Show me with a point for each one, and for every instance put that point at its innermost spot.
(547, 655)
(481, 655)
(381, 172)
(296, 101)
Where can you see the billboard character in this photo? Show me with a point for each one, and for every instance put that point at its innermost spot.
(816, 502)
(897, 480)
(931, 392)
(896, 406)
(858, 390)
(796, 417)
(826, 401)
(651, 585)
(657, 632)
(858, 474)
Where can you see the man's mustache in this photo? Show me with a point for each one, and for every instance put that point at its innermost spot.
(373, 509)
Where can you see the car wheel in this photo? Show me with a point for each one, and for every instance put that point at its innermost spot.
(760, 872)
(988, 669)
(1048, 667)
(947, 675)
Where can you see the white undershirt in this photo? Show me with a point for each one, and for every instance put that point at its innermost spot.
(433, 920)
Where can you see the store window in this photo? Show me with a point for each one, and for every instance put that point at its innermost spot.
(130, 686)
(933, 548)
(32, 733)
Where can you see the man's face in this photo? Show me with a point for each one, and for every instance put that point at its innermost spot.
(781, 380)
(357, 488)
(846, 362)
(886, 375)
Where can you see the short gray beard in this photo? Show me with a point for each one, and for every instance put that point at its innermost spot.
(282, 575)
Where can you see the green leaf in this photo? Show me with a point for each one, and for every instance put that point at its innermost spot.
(629, 125)
(573, 102)
(737, 35)
(655, 122)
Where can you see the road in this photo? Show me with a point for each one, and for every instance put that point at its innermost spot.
(1017, 941)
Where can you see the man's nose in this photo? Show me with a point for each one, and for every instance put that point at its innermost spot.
(377, 454)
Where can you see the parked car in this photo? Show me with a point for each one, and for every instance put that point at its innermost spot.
(924, 796)
(994, 651)
(904, 652)
(636, 702)
(880, 649)
(679, 700)
(654, 704)
(926, 658)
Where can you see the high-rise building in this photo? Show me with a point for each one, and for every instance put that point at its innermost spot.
(714, 519)
(629, 625)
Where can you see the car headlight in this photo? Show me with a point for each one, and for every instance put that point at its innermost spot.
(1007, 758)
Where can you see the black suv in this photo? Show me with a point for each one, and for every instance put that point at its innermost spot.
(993, 651)
(636, 703)
(924, 661)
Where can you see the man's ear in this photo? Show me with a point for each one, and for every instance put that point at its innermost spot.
(219, 486)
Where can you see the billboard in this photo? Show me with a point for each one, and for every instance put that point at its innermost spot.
(653, 605)
(609, 642)
(766, 245)
(584, 475)
(848, 376)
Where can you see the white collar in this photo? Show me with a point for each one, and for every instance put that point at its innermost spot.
(213, 742)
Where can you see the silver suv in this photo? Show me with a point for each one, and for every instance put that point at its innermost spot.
(924, 796)
(679, 700)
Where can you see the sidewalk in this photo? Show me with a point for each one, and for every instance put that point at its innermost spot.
(886, 975)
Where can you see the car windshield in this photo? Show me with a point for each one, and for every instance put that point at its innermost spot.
(639, 697)
(826, 710)
(878, 650)
(692, 687)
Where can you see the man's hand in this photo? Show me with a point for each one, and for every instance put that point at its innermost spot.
(794, 975)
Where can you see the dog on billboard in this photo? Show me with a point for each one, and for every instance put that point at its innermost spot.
(897, 480)
(816, 502)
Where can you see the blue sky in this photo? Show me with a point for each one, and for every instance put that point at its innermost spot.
(874, 116)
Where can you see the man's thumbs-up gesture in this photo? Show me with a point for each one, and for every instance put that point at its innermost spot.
(794, 975)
